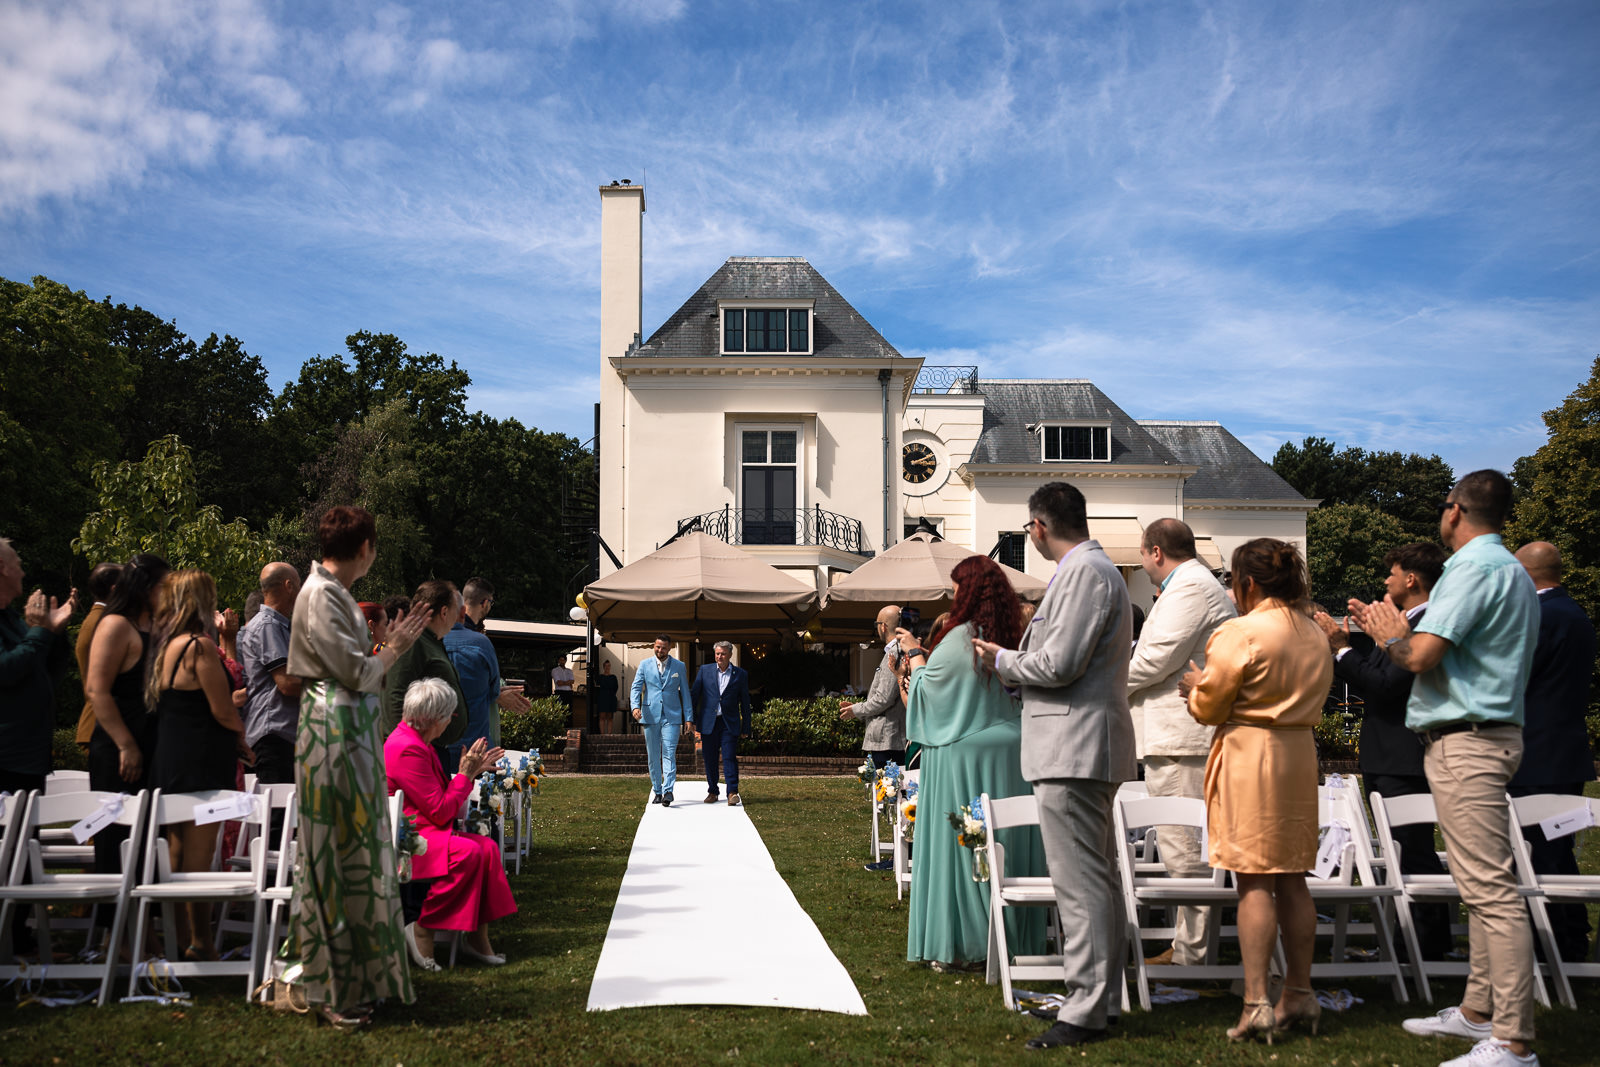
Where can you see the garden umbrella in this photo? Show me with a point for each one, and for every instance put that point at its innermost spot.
(698, 587)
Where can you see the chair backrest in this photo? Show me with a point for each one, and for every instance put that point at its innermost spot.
(46, 810)
(167, 809)
(1403, 811)
(1003, 813)
(288, 843)
(1528, 812)
(1134, 810)
(67, 782)
(13, 806)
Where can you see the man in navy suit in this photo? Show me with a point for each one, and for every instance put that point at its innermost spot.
(1555, 739)
(722, 712)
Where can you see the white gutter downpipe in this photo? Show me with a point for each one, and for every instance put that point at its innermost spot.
(883, 383)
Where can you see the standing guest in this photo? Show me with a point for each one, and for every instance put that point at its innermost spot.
(478, 666)
(603, 694)
(124, 738)
(345, 913)
(272, 694)
(427, 658)
(1472, 656)
(1077, 747)
(479, 595)
(469, 888)
(102, 580)
(396, 608)
(201, 739)
(33, 660)
(225, 623)
(252, 604)
(970, 731)
(377, 623)
(662, 706)
(1173, 746)
(1390, 754)
(561, 679)
(883, 710)
(720, 696)
(1555, 739)
(1266, 676)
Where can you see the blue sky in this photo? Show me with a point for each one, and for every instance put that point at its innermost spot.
(1374, 222)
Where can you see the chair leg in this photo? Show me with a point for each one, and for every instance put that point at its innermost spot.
(1540, 910)
(141, 921)
(1408, 929)
(1140, 975)
(1380, 929)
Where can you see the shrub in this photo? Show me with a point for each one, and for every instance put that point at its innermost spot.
(810, 727)
(65, 753)
(543, 726)
(1337, 735)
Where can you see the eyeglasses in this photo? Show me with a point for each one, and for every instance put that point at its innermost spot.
(1448, 504)
(1028, 526)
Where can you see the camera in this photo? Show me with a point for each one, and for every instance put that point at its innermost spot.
(909, 618)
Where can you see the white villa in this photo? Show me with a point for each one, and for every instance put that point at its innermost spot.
(767, 407)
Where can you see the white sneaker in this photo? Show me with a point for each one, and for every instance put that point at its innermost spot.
(1492, 1053)
(1449, 1023)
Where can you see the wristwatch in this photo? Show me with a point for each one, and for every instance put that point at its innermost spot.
(1391, 641)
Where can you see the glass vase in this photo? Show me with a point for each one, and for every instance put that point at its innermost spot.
(980, 863)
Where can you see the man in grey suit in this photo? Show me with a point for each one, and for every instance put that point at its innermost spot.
(883, 709)
(1077, 747)
(1173, 746)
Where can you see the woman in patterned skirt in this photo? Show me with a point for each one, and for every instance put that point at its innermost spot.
(345, 919)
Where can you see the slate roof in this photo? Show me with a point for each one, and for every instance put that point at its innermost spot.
(1010, 406)
(1228, 470)
(837, 328)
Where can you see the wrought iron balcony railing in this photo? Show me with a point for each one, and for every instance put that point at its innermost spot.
(779, 526)
(946, 379)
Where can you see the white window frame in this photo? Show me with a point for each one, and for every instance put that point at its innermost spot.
(725, 306)
(1043, 429)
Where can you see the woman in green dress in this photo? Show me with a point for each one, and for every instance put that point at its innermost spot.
(345, 919)
(970, 729)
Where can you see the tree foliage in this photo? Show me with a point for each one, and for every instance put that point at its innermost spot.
(1558, 491)
(1345, 548)
(152, 506)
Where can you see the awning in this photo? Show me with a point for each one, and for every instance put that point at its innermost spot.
(1207, 552)
(1120, 537)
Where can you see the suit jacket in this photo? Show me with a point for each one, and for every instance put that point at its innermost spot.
(1387, 746)
(1555, 742)
(662, 699)
(734, 702)
(412, 765)
(1073, 672)
(1184, 617)
(883, 709)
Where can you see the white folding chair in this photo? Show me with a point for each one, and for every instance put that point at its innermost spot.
(1354, 882)
(1546, 889)
(902, 847)
(66, 782)
(511, 855)
(1014, 891)
(1389, 812)
(878, 847)
(1144, 891)
(61, 849)
(48, 885)
(272, 916)
(159, 884)
(280, 796)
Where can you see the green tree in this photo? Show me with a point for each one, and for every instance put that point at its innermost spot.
(214, 396)
(1404, 486)
(152, 506)
(1558, 491)
(1345, 548)
(62, 385)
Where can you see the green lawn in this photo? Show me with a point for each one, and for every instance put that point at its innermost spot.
(531, 1012)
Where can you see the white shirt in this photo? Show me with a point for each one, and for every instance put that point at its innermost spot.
(722, 682)
(562, 677)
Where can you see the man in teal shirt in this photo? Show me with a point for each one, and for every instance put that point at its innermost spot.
(1472, 653)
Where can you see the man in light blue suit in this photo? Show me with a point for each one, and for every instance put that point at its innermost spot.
(662, 706)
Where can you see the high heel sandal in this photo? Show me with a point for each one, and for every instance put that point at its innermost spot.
(357, 1018)
(1310, 1011)
(1259, 1020)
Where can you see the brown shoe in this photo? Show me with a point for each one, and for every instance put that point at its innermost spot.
(711, 798)
(1163, 959)
(734, 801)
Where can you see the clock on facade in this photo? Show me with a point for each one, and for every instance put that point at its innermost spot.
(917, 462)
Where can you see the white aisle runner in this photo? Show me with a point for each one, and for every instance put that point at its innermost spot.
(703, 917)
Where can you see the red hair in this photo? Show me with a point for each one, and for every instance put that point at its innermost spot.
(986, 600)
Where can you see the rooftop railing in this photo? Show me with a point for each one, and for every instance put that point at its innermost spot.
(947, 379)
(780, 526)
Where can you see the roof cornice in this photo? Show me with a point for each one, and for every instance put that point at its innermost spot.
(1277, 504)
(971, 471)
(760, 366)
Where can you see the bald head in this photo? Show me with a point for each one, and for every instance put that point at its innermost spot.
(888, 620)
(280, 584)
(1542, 561)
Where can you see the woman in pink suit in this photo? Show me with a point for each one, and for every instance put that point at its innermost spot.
(469, 889)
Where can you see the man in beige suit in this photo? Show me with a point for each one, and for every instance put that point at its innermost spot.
(1173, 746)
(1077, 747)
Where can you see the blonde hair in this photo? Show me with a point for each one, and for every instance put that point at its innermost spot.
(185, 604)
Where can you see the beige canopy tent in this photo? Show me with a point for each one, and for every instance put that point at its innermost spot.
(698, 587)
(914, 573)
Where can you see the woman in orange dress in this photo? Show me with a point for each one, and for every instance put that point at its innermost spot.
(1266, 677)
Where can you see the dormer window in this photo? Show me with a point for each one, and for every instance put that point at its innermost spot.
(764, 330)
(1075, 444)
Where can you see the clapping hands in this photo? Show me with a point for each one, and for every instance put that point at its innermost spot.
(48, 611)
